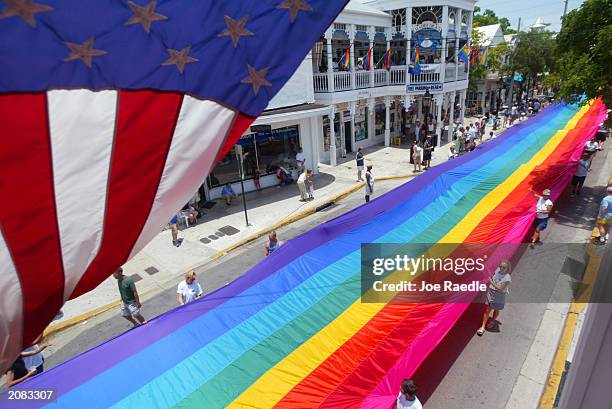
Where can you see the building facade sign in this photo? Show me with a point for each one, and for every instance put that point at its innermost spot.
(421, 88)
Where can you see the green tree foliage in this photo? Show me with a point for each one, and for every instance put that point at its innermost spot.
(495, 59)
(489, 17)
(584, 51)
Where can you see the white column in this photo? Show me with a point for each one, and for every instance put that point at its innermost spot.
(439, 99)
(388, 36)
(330, 61)
(371, 118)
(462, 95)
(342, 134)
(408, 37)
(371, 34)
(458, 18)
(332, 136)
(315, 137)
(387, 121)
(352, 108)
(451, 118)
(352, 40)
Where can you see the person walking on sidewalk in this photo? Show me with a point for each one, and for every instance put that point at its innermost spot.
(33, 357)
(300, 160)
(18, 373)
(309, 185)
(176, 242)
(359, 159)
(407, 398)
(273, 243)
(228, 194)
(301, 184)
(369, 186)
(604, 218)
(543, 210)
(427, 149)
(496, 295)
(584, 165)
(189, 289)
(130, 301)
(417, 156)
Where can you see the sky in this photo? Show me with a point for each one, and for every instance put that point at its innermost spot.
(550, 10)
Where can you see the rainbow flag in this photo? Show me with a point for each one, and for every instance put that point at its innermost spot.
(345, 60)
(292, 332)
(388, 58)
(464, 54)
(367, 60)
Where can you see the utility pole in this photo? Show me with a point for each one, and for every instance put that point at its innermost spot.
(518, 32)
(565, 9)
(240, 157)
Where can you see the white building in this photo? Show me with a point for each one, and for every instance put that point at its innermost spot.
(489, 93)
(366, 105)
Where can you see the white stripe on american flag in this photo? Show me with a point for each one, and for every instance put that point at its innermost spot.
(11, 306)
(199, 134)
(82, 146)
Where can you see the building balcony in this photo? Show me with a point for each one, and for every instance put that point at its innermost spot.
(351, 80)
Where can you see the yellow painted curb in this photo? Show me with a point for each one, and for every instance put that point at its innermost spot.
(557, 368)
(52, 329)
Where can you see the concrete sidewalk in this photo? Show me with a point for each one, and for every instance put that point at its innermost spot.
(222, 228)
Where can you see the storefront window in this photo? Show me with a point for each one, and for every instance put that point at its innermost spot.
(263, 151)
(361, 124)
(379, 119)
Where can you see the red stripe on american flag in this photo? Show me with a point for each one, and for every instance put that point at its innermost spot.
(27, 209)
(145, 125)
(241, 124)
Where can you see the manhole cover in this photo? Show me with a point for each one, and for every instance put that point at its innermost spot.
(136, 277)
(205, 240)
(229, 230)
(213, 237)
(151, 270)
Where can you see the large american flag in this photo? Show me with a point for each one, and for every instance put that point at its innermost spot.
(112, 112)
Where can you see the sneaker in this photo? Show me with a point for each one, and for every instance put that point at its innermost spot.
(602, 240)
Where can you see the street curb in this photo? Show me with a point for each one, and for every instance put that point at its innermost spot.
(558, 367)
(54, 329)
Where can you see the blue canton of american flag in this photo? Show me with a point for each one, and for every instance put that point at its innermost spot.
(112, 112)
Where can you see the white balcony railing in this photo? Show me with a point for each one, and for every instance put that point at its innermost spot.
(398, 75)
(425, 78)
(321, 82)
(462, 75)
(342, 81)
(347, 80)
(380, 78)
(362, 79)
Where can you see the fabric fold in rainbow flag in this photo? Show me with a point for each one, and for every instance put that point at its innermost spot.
(292, 332)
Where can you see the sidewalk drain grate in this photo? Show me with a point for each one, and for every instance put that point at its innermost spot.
(136, 277)
(229, 230)
(151, 270)
(205, 240)
(213, 237)
(219, 233)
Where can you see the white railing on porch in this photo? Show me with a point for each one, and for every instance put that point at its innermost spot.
(380, 77)
(425, 78)
(321, 82)
(398, 75)
(342, 81)
(347, 80)
(362, 79)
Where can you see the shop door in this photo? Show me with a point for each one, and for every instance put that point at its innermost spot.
(347, 136)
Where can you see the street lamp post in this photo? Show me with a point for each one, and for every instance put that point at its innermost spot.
(240, 156)
(426, 104)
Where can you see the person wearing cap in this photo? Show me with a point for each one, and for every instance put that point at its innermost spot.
(605, 215)
(591, 147)
(584, 165)
(543, 210)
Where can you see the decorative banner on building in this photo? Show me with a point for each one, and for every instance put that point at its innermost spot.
(421, 88)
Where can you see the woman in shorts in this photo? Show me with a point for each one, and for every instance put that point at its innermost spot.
(496, 295)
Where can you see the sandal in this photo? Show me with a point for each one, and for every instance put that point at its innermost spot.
(480, 332)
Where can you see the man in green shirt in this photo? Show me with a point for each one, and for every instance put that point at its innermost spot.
(130, 302)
